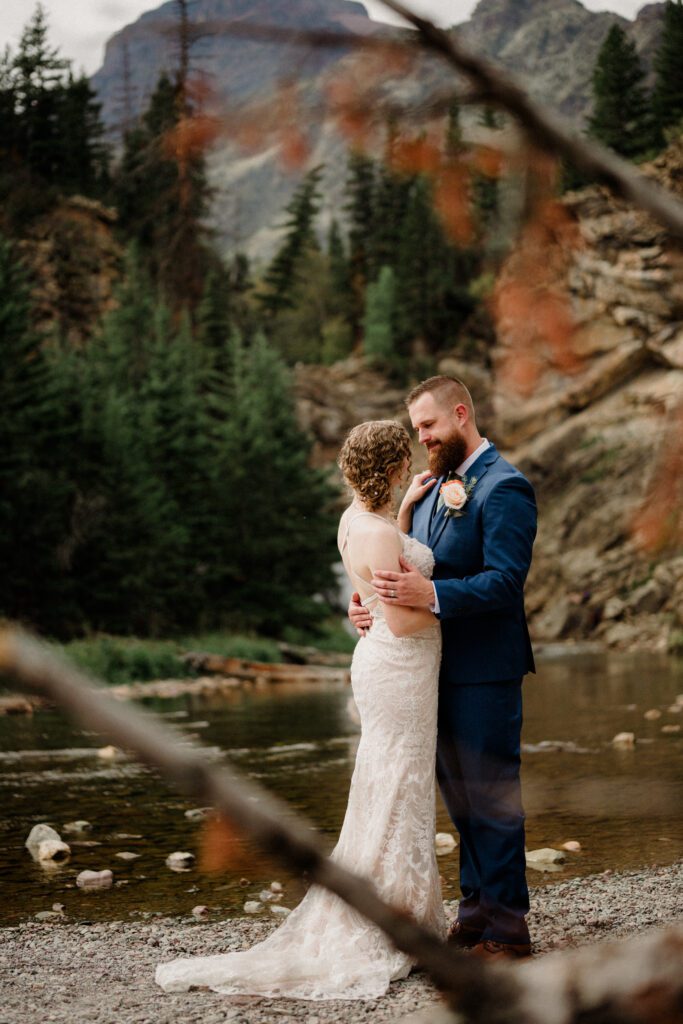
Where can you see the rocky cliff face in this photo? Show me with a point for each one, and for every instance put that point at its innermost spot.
(551, 45)
(75, 263)
(589, 442)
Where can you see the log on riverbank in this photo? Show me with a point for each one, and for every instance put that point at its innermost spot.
(271, 672)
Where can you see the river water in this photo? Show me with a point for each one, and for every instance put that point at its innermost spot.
(622, 806)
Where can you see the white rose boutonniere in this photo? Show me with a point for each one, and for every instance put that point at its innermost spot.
(455, 494)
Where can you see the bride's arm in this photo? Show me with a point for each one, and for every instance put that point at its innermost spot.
(383, 549)
(418, 488)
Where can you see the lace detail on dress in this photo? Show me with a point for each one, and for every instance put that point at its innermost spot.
(325, 950)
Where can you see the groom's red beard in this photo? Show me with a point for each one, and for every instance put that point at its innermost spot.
(447, 455)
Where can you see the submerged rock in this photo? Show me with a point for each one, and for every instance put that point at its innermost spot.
(624, 740)
(95, 879)
(77, 826)
(181, 860)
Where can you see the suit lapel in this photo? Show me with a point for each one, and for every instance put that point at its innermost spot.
(477, 469)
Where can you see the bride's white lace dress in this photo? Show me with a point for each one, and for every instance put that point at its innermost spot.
(324, 949)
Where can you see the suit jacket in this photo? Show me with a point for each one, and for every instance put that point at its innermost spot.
(482, 560)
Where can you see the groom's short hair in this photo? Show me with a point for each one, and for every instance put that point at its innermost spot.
(446, 390)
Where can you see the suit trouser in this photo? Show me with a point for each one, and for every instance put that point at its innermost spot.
(478, 762)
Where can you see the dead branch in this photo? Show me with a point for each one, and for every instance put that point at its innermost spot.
(546, 130)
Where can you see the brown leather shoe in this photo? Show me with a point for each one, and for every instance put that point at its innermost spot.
(490, 950)
(463, 937)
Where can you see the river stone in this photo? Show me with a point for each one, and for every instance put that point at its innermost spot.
(624, 740)
(198, 813)
(572, 845)
(181, 860)
(671, 728)
(77, 826)
(279, 911)
(95, 879)
(276, 886)
(110, 753)
(653, 714)
(200, 911)
(48, 915)
(45, 845)
(127, 855)
(252, 907)
(546, 855)
(444, 843)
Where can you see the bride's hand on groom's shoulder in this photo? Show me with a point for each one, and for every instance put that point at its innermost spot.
(409, 587)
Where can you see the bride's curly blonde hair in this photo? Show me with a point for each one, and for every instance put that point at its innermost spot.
(370, 457)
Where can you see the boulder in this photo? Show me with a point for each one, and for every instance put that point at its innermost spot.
(46, 846)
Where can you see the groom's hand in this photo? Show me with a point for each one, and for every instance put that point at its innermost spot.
(361, 619)
(406, 588)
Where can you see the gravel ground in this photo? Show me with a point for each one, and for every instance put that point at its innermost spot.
(103, 973)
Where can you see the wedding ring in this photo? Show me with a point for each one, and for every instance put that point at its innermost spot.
(393, 593)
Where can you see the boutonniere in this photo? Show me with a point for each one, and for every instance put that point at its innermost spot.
(455, 494)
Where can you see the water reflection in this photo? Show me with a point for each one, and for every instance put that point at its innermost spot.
(623, 806)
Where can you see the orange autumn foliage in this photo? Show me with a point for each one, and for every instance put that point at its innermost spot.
(222, 848)
(658, 524)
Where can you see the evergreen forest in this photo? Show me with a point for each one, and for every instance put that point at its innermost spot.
(153, 478)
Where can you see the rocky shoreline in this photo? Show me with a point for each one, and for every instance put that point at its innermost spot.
(103, 973)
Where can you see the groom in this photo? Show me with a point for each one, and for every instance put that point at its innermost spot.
(482, 551)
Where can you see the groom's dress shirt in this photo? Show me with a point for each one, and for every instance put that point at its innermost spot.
(460, 471)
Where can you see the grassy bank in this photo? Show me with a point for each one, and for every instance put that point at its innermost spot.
(117, 659)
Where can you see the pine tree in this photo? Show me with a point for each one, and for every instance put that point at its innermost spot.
(667, 97)
(162, 199)
(340, 279)
(83, 157)
(380, 311)
(129, 562)
(39, 75)
(283, 274)
(621, 116)
(34, 491)
(360, 210)
(274, 541)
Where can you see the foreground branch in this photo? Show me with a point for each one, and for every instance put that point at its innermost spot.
(639, 982)
(546, 130)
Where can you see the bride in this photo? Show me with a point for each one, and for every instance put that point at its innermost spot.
(326, 950)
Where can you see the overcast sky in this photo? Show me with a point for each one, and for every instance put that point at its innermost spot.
(80, 28)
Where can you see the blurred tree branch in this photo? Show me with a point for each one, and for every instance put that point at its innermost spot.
(490, 85)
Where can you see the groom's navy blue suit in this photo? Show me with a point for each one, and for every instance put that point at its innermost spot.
(482, 559)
